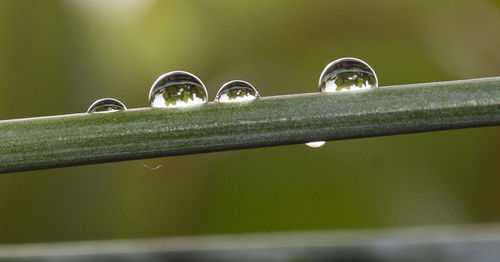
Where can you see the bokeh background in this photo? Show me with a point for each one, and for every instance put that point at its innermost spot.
(57, 57)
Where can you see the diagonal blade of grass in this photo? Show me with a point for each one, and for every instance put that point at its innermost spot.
(77, 139)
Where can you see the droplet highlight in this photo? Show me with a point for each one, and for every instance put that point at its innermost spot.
(236, 91)
(177, 89)
(106, 105)
(347, 74)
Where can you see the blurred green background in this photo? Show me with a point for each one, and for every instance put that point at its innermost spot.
(57, 57)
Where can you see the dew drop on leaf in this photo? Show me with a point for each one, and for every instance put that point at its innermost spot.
(315, 144)
(345, 74)
(106, 105)
(236, 91)
(177, 89)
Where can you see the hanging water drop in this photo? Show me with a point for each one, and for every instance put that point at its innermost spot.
(236, 91)
(347, 74)
(106, 105)
(177, 89)
(315, 144)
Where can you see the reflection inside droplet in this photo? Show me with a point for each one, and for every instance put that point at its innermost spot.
(236, 91)
(106, 105)
(177, 89)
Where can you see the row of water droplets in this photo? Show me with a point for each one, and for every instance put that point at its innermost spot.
(178, 89)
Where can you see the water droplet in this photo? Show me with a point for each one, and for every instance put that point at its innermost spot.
(315, 144)
(106, 105)
(347, 74)
(177, 89)
(236, 91)
(150, 167)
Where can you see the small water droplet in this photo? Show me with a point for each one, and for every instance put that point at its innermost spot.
(236, 91)
(315, 144)
(106, 105)
(177, 89)
(150, 167)
(347, 74)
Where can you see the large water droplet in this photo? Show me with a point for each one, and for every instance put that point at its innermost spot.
(106, 105)
(236, 91)
(347, 74)
(177, 89)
